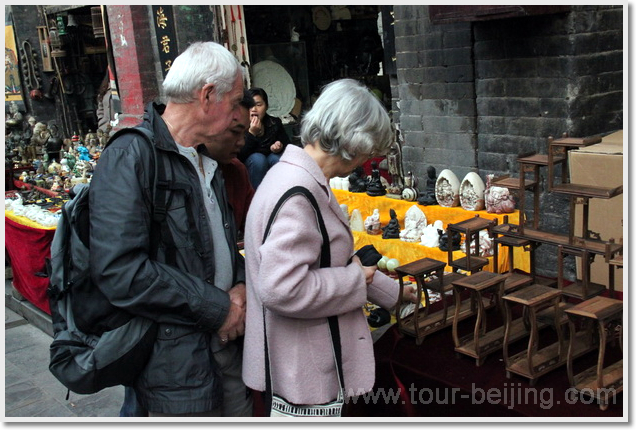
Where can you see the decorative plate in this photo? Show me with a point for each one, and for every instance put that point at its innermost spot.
(278, 84)
(321, 17)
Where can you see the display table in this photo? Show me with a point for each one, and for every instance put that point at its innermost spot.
(28, 245)
(407, 252)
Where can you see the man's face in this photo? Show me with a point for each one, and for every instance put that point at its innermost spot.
(228, 144)
(222, 114)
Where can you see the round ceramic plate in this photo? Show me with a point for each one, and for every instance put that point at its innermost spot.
(321, 17)
(278, 84)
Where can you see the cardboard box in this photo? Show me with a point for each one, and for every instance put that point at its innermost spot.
(601, 165)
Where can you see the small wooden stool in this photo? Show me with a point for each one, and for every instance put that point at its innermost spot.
(514, 281)
(481, 342)
(416, 324)
(599, 382)
(533, 362)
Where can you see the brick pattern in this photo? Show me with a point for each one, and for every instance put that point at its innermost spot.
(474, 96)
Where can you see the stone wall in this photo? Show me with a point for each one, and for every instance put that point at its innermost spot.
(473, 96)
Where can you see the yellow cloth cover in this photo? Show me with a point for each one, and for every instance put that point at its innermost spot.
(407, 252)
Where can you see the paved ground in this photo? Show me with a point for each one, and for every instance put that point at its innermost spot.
(30, 389)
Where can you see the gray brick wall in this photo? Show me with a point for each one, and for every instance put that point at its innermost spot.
(475, 96)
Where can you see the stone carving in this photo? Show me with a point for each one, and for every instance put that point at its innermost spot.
(471, 192)
(427, 197)
(414, 224)
(498, 199)
(372, 223)
(355, 222)
(392, 229)
(431, 234)
(375, 187)
(447, 189)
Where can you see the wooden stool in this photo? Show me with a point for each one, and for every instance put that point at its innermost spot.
(599, 382)
(416, 324)
(514, 281)
(470, 228)
(534, 362)
(481, 342)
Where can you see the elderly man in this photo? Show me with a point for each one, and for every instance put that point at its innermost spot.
(193, 283)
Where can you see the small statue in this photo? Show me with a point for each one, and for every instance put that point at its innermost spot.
(355, 222)
(345, 211)
(372, 223)
(498, 199)
(54, 143)
(357, 181)
(427, 197)
(414, 224)
(471, 192)
(396, 170)
(374, 184)
(392, 229)
(456, 239)
(83, 153)
(431, 234)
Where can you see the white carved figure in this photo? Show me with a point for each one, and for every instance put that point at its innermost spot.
(345, 211)
(498, 199)
(372, 223)
(431, 234)
(471, 192)
(355, 222)
(485, 245)
(447, 189)
(414, 224)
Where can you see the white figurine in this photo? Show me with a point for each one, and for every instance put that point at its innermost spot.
(414, 224)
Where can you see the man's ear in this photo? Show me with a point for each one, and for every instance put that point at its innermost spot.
(206, 96)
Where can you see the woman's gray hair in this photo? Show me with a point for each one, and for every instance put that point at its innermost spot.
(348, 120)
(202, 63)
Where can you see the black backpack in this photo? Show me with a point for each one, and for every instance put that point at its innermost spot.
(95, 344)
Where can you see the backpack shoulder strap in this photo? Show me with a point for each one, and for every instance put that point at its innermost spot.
(161, 178)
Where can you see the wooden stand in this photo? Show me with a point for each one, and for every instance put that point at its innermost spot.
(534, 362)
(481, 342)
(422, 322)
(599, 382)
(514, 281)
(470, 228)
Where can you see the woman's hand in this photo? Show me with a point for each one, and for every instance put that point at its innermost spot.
(276, 147)
(369, 271)
(256, 127)
(410, 293)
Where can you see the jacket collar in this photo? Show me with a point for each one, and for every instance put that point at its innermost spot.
(298, 157)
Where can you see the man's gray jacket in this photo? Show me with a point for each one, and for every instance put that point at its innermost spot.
(181, 375)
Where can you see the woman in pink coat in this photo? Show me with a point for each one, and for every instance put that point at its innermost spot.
(346, 126)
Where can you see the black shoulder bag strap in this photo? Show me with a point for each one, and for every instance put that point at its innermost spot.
(162, 177)
(325, 261)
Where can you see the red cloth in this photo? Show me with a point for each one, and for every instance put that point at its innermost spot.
(239, 190)
(28, 247)
(19, 184)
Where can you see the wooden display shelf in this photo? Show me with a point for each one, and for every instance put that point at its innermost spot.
(433, 322)
(540, 159)
(545, 360)
(595, 247)
(576, 290)
(491, 341)
(470, 263)
(515, 281)
(588, 191)
(599, 382)
(513, 183)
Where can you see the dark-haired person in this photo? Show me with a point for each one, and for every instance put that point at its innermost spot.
(265, 140)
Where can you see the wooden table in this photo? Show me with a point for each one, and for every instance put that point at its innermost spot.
(428, 274)
(481, 342)
(599, 382)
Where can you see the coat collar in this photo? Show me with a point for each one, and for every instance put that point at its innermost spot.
(298, 157)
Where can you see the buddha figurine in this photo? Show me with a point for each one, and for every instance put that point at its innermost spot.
(357, 181)
(427, 197)
(374, 184)
(392, 229)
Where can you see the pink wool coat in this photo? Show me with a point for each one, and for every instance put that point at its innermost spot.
(283, 275)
